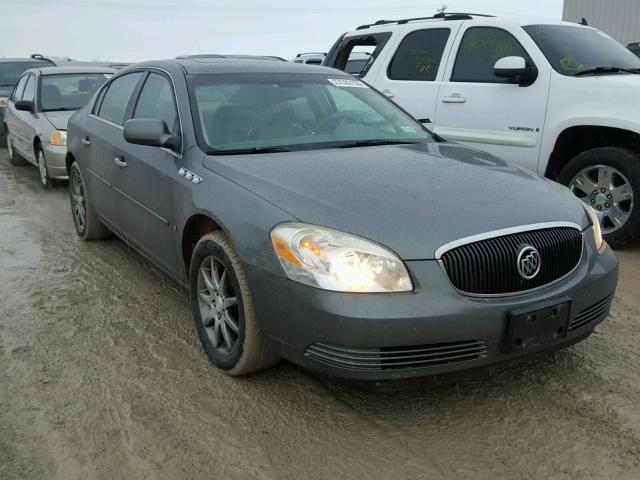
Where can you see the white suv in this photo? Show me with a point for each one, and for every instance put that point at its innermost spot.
(558, 98)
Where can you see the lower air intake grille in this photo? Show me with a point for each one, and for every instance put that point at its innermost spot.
(590, 314)
(490, 267)
(396, 358)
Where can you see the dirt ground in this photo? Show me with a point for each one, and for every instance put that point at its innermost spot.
(102, 376)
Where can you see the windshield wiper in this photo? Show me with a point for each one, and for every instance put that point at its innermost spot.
(606, 70)
(375, 143)
(248, 151)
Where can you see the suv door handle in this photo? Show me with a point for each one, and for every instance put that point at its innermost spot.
(85, 141)
(455, 98)
(120, 162)
(388, 93)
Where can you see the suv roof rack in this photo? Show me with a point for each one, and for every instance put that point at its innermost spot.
(311, 53)
(442, 16)
(37, 56)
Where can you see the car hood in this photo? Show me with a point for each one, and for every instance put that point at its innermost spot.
(59, 120)
(413, 199)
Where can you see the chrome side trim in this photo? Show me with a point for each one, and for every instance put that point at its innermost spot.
(501, 233)
(107, 122)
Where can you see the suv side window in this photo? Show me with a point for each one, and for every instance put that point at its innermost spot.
(419, 54)
(339, 55)
(156, 101)
(480, 49)
(30, 89)
(116, 99)
(17, 92)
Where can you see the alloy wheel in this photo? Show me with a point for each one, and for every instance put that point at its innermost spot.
(78, 201)
(608, 191)
(218, 303)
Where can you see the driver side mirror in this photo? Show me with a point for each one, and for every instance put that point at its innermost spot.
(151, 132)
(25, 105)
(515, 71)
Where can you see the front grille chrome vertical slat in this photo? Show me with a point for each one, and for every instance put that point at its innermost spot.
(488, 267)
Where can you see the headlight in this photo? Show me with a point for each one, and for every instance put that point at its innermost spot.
(59, 137)
(597, 229)
(337, 261)
(3, 102)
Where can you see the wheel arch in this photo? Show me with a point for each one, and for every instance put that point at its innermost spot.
(69, 159)
(577, 139)
(197, 226)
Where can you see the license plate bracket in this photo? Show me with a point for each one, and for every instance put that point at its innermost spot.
(534, 328)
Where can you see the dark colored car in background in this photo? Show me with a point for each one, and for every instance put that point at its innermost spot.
(11, 69)
(313, 219)
(635, 48)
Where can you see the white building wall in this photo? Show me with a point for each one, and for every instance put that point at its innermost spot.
(618, 18)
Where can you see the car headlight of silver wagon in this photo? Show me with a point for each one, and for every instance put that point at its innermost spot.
(337, 261)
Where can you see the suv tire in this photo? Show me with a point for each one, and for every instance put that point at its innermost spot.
(231, 336)
(621, 174)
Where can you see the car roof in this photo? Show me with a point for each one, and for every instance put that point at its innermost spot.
(212, 65)
(27, 60)
(68, 70)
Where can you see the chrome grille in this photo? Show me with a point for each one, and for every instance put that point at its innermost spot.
(385, 358)
(489, 267)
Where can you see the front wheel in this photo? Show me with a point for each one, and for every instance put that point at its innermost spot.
(223, 310)
(85, 219)
(45, 179)
(608, 179)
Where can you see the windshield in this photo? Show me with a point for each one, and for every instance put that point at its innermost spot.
(10, 72)
(295, 112)
(69, 91)
(572, 50)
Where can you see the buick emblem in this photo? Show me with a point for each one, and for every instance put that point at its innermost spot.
(529, 262)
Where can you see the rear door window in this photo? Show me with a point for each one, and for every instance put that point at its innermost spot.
(156, 101)
(480, 49)
(116, 100)
(419, 55)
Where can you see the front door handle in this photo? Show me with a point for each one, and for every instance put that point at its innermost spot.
(120, 162)
(85, 141)
(388, 93)
(455, 98)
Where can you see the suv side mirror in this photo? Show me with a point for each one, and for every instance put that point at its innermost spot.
(25, 105)
(516, 71)
(152, 132)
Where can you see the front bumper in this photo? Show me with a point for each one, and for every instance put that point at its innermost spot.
(346, 335)
(55, 157)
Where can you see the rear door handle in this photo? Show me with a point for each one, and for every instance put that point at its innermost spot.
(85, 141)
(120, 162)
(388, 93)
(455, 98)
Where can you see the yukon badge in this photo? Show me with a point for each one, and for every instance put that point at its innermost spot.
(529, 262)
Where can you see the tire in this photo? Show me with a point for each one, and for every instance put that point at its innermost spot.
(85, 219)
(14, 157)
(3, 135)
(41, 160)
(245, 351)
(613, 176)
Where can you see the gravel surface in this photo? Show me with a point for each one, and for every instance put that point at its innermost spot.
(102, 376)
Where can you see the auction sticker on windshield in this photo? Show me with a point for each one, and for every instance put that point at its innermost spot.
(347, 82)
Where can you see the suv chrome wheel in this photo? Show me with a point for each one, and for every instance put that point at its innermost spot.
(218, 304)
(608, 191)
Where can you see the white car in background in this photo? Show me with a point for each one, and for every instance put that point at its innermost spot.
(356, 63)
(557, 98)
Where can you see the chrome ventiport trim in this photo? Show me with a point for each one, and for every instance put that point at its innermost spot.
(501, 233)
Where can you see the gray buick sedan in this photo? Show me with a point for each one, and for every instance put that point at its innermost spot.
(314, 220)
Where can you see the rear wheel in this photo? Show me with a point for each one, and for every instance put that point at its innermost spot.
(14, 157)
(85, 219)
(223, 310)
(608, 179)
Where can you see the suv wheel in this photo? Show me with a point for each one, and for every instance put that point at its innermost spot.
(45, 179)
(608, 179)
(14, 157)
(223, 309)
(85, 219)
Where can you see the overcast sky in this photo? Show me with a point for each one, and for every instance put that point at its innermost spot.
(135, 30)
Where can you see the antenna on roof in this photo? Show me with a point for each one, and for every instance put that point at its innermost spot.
(584, 22)
(442, 11)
